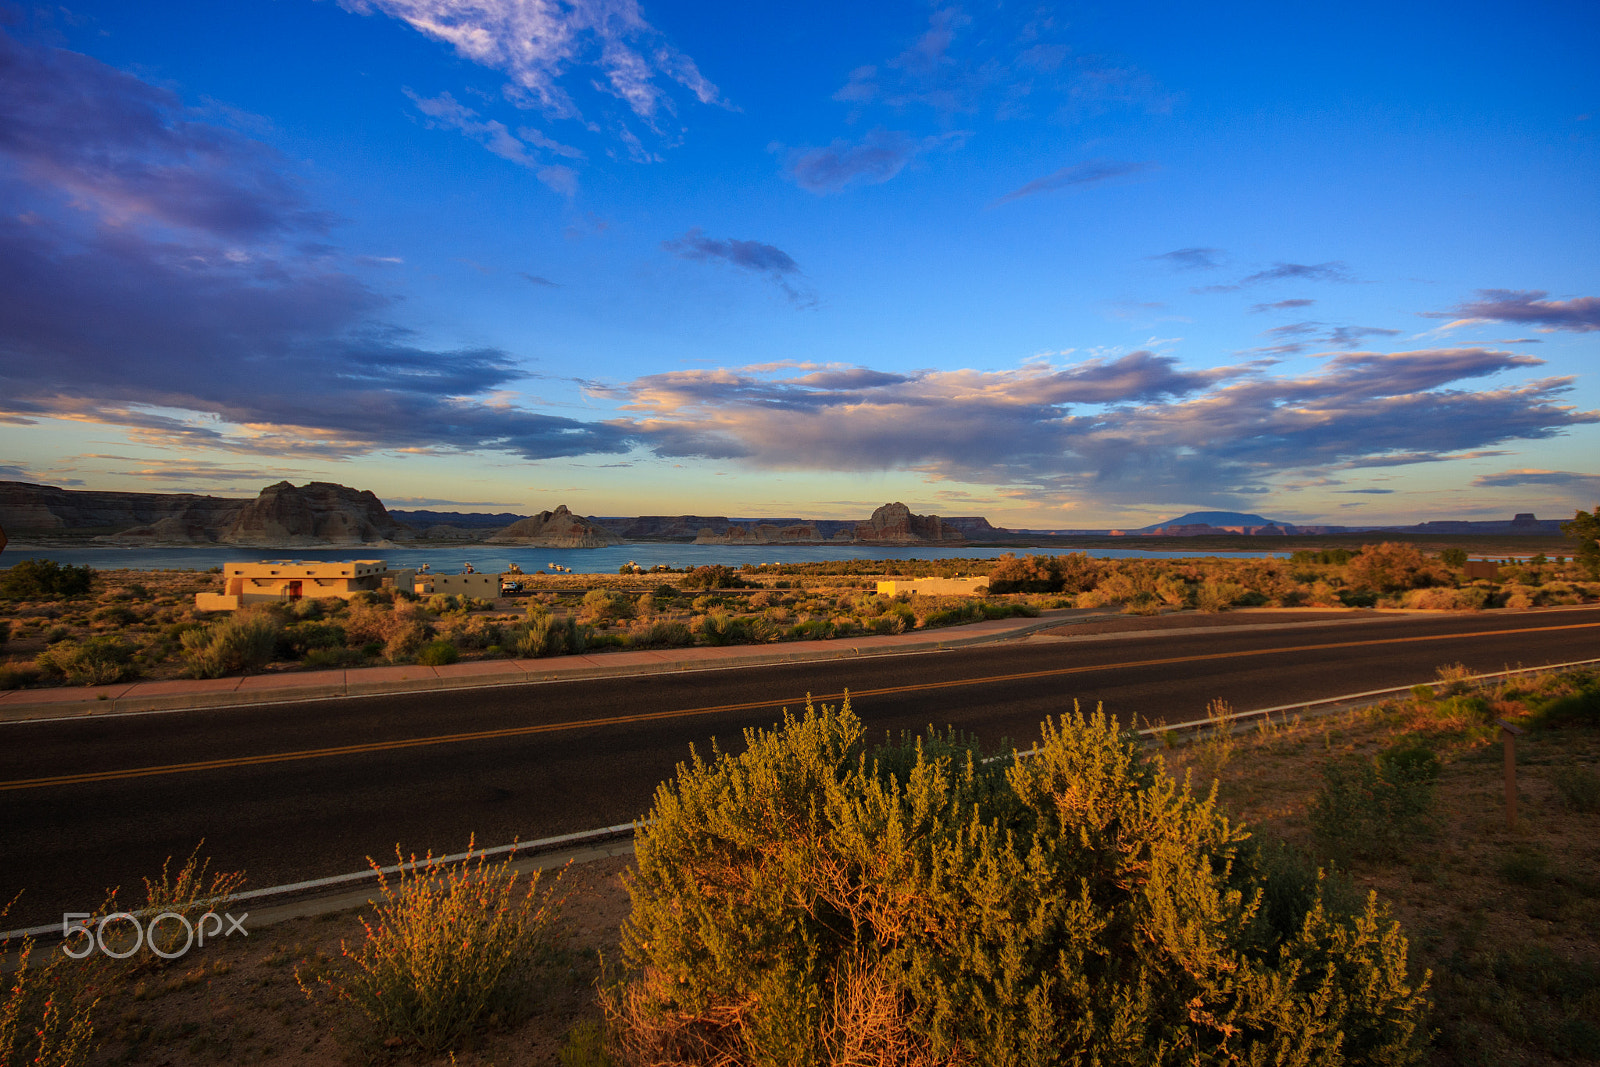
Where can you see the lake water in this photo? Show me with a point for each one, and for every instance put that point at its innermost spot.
(497, 558)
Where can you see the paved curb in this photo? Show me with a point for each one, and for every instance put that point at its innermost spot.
(24, 705)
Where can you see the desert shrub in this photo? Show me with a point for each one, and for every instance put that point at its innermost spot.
(1372, 808)
(95, 661)
(189, 891)
(1469, 598)
(1454, 558)
(602, 605)
(114, 614)
(46, 1016)
(1393, 567)
(326, 658)
(1072, 573)
(44, 579)
(241, 642)
(1172, 590)
(476, 631)
(720, 628)
(1584, 532)
(550, 635)
(438, 653)
(662, 633)
(18, 675)
(297, 639)
(810, 902)
(446, 947)
(715, 576)
(1213, 596)
(444, 603)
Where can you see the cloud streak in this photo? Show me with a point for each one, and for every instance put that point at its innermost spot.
(1190, 258)
(1093, 172)
(876, 158)
(1580, 314)
(1578, 486)
(524, 150)
(768, 261)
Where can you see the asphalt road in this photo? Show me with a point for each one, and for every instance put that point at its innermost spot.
(299, 791)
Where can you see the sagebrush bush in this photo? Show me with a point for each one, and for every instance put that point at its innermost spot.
(1213, 596)
(809, 902)
(549, 635)
(243, 641)
(438, 654)
(1373, 808)
(446, 947)
(660, 633)
(94, 661)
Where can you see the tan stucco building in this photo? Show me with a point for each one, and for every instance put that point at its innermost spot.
(274, 580)
(934, 587)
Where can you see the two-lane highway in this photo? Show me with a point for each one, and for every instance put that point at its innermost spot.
(298, 791)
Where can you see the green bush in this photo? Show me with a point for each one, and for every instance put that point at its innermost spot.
(334, 657)
(240, 642)
(715, 576)
(1214, 596)
(96, 661)
(549, 635)
(720, 628)
(1072, 573)
(810, 902)
(298, 639)
(438, 653)
(662, 633)
(44, 579)
(1372, 808)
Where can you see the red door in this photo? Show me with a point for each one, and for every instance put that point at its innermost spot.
(294, 591)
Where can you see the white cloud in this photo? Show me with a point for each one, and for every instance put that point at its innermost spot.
(536, 42)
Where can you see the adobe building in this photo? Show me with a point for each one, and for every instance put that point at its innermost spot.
(283, 580)
(471, 583)
(934, 587)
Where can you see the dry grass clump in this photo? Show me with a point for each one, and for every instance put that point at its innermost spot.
(448, 949)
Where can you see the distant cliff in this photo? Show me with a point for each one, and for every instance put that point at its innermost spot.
(282, 516)
(889, 524)
(555, 529)
(26, 508)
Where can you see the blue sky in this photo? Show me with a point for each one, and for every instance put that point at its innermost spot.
(1063, 265)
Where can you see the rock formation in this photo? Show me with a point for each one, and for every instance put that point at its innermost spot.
(318, 513)
(555, 529)
(894, 522)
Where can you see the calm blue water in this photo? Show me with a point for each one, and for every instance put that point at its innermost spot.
(494, 558)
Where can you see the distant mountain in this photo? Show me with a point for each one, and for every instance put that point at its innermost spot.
(1214, 518)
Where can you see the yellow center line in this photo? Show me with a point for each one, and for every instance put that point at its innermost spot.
(683, 713)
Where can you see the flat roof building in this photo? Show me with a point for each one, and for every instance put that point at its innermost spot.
(275, 580)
